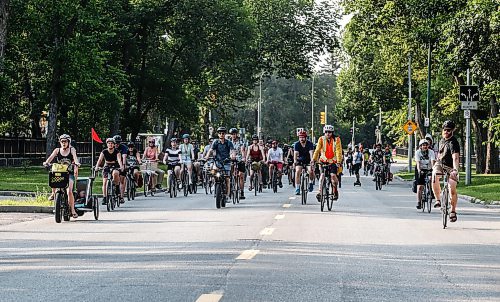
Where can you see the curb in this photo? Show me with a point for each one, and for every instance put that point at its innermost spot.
(460, 196)
(26, 209)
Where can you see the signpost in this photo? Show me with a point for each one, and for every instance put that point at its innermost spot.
(410, 127)
(469, 96)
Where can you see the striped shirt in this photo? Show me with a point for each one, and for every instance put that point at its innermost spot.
(173, 156)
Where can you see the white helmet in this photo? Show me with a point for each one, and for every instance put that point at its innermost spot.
(65, 137)
(327, 128)
(422, 141)
(428, 136)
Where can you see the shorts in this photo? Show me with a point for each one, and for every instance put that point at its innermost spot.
(278, 164)
(171, 167)
(123, 173)
(303, 163)
(356, 168)
(241, 166)
(421, 179)
(440, 168)
(186, 159)
(330, 168)
(107, 171)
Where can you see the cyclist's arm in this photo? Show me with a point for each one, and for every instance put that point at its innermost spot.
(295, 156)
(339, 150)
(120, 162)
(138, 156)
(101, 157)
(51, 157)
(192, 153)
(263, 153)
(456, 161)
(317, 152)
(268, 155)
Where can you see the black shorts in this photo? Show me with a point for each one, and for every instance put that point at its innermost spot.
(421, 178)
(171, 167)
(123, 173)
(330, 169)
(107, 171)
(356, 168)
(242, 166)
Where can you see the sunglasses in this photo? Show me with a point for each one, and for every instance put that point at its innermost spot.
(447, 130)
(63, 141)
(328, 131)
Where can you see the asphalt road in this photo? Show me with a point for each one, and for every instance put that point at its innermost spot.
(373, 246)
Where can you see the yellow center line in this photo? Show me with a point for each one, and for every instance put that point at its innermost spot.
(209, 298)
(247, 255)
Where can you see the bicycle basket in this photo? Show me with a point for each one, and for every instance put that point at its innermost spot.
(58, 179)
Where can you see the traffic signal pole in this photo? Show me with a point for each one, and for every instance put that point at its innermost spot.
(410, 145)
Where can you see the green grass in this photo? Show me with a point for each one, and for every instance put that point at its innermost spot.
(28, 202)
(485, 187)
(36, 179)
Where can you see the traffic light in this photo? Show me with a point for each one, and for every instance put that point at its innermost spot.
(322, 118)
(351, 130)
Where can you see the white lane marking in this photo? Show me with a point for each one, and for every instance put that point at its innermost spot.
(209, 298)
(292, 198)
(267, 231)
(279, 217)
(247, 255)
(287, 205)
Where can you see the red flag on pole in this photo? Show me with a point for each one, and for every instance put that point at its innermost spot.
(96, 137)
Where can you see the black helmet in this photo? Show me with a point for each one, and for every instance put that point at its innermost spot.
(449, 124)
(130, 144)
(255, 137)
(233, 131)
(118, 139)
(221, 129)
(173, 139)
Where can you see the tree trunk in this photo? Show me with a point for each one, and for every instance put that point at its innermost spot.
(54, 103)
(492, 162)
(481, 134)
(4, 14)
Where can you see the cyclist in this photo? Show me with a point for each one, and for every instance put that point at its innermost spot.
(224, 150)
(173, 160)
(388, 161)
(366, 160)
(329, 152)
(240, 150)
(134, 160)
(151, 154)
(447, 161)
(302, 158)
(112, 162)
(425, 158)
(378, 158)
(430, 140)
(123, 149)
(256, 156)
(357, 158)
(289, 159)
(187, 155)
(66, 155)
(348, 160)
(275, 159)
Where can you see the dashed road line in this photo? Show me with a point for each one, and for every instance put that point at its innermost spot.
(287, 205)
(292, 198)
(213, 297)
(267, 231)
(247, 255)
(279, 216)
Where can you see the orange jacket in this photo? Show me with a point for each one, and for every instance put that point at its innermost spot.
(328, 152)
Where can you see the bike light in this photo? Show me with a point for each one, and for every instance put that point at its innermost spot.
(218, 174)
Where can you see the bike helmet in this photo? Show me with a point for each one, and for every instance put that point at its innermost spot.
(429, 137)
(233, 131)
(303, 133)
(65, 137)
(117, 138)
(221, 129)
(449, 124)
(274, 142)
(185, 136)
(110, 139)
(422, 141)
(378, 145)
(130, 144)
(328, 128)
(173, 139)
(255, 137)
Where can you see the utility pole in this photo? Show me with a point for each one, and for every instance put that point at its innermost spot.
(259, 106)
(468, 177)
(326, 115)
(410, 145)
(312, 110)
(427, 123)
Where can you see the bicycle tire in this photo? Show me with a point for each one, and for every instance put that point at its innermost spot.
(323, 195)
(58, 207)
(218, 196)
(329, 199)
(127, 188)
(146, 184)
(429, 203)
(95, 207)
(255, 182)
(185, 183)
(444, 207)
(423, 198)
(303, 189)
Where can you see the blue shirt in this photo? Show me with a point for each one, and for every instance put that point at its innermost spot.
(222, 151)
(304, 155)
(123, 149)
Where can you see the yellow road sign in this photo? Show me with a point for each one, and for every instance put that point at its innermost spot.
(410, 127)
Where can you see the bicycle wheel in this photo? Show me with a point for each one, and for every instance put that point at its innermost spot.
(324, 195)
(58, 207)
(274, 181)
(146, 184)
(171, 185)
(329, 199)
(133, 191)
(218, 196)
(423, 199)
(255, 182)
(303, 188)
(127, 187)
(185, 183)
(429, 198)
(444, 207)
(66, 209)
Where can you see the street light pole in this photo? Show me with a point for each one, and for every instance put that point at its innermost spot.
(312, 109)
(468, 176)
(428, 87)
(259, 106)
(410, 147)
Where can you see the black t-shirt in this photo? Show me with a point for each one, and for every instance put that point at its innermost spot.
(111, 157)
(446, 149)
(378, 156)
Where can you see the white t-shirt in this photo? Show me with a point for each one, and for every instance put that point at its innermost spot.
(425, 161)
(275, 155)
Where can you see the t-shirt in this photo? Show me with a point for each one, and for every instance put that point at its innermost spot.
(357, 157)
(111, 156)
(123, 149)
(186, 150)
(222, 150)
(446, 149)
(425, 158)
(275, 155)
(304, 154)
(132, 157)
(378, 156)
(172, 156)
(388, 156)
(237, 146)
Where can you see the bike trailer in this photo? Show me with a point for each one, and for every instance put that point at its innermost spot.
(82, 194)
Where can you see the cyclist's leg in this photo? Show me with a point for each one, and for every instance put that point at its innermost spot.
(71, 198)
(436, 185)
(298, 172)
(122, 183)
(190, 172)
(452, 185)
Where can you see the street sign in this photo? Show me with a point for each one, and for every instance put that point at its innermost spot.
(469, 96)
(299, 130)
(427, 122)
(322, 118)
(410, 127)
(467, 113)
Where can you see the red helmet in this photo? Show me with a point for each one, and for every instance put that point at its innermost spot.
(303, 133)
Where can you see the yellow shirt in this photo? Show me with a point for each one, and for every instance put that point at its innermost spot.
(334, 151)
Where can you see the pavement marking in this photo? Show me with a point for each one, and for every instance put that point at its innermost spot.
(287, 205)
(279, 216)
(292, 198)
(247, 255)
(209, 298)
(267, 231)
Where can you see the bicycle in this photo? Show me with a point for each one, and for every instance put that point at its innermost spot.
(291, 174)
(185, 180)
(220, 184)
(207, 177)
(130, 184)
(427, 193)
(112, 198)
(326, 196)
(59, 179)
(274, 179)
(445, 199)
(148, 178)
(172, 183)
(378, 176)
(304, 184)
(235, 183)
(255, 180)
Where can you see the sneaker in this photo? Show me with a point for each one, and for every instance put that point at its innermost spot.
(280, 185)
(318, 197)
(311, 187)
(419, 206)
(242, 195)
(103, 201)
(122, 200)
(297, 191)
